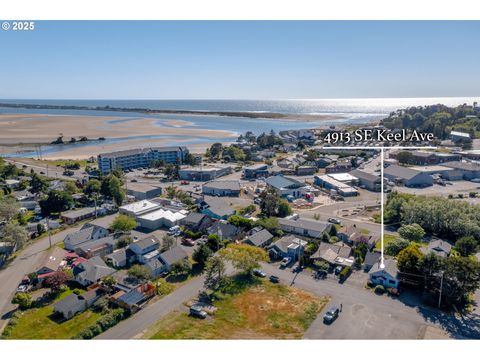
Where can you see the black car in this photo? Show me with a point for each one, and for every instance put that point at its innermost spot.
(274, 279)
(331, 315)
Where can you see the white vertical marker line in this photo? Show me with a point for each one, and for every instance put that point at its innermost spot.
(382, 264)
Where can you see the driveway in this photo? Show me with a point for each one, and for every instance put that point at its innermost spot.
(366, 315)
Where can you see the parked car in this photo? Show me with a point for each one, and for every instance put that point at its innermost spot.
(197, 311)
(331, 315)
(274, 279)
(184, 182)
(188, 242)
(334, 221)
(285, 262)
(297, 269)
(259, 273)
(338, 270)
(22, 288)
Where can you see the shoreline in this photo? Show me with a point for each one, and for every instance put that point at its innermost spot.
(245, 114)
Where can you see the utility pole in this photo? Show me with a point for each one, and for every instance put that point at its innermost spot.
(95, 202)
(49, 234)
(441, 289)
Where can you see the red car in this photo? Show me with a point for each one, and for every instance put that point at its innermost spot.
(184, 182)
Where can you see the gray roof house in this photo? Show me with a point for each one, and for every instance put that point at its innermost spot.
(335, 254)
(408, 177)
(100, 247)
(91, 271)
(216, 208)
(145, 249)
(120, 258)
(287, 246)
(304, 227)
(74, 304)
(224, 230)
(259, 238)
(196, 221)
(438, 247)
(388, 276)
(172, 256)
(222, 188)
(86, 233)
(371, 258)
(286, 186)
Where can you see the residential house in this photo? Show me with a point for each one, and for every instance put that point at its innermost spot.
(172, 256)
(438, 247)
(88, 232)
(305, 227)
(145, 249)
(73, 304)
(287, 246)
(91, 271)
(305, 170)
(340, 166)
(216, 208)
(54, 261)
(334, 254)
(224, 230)
(73, 216)
(259, 237)
(120, 258)
(255, 171)
(286, 186)
(371, 258)
(134, 298)
(222, 188)
(196, 222)
(100, 247)
(387, 276)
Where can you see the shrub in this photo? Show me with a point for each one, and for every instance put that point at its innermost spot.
(77, 291)
(24, 300)
(379, 289)
(107, 321)
(346, 271)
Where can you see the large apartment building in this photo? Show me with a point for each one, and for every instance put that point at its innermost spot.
(136, 158)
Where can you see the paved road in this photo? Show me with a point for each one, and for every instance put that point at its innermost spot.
(369, 316)
(53, 171)
(26, 262)
(134, 326)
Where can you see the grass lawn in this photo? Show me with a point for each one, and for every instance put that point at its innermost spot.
(386, 238)
(260, 311)
(37, 323)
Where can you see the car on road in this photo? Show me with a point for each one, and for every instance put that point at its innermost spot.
(22, 288)
(334, 221)
(274, 279)
(197, 311)
(259, 273)
(188, 242)
(331, 315)
(184, 182)
(285, 262)
(297, 269)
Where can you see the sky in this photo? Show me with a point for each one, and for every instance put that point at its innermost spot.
(240, 60)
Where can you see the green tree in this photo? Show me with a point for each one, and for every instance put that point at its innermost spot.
(394, 246)
(123, 223)
(15, 234)
(284, 208)
(111, 186)
(405, 157)
(38, 184)
(171, 191)
(123, 241)
(461, 278)
(109, 281)
(409, 259)
(466, 245)
(181, 268)
(56, 202)
(139, 272)
(167, 242)
(271, 224)
(216, 150)
(413, 232)
(8, 208)
(70, 187)
(23, 300)
(214, 272)
(244, 257)
(93, 186)
(240, 221)
(201, 255)
(214, 242)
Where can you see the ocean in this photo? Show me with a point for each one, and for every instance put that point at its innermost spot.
(349, 111)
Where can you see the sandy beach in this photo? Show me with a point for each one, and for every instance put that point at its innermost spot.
(22, 132)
